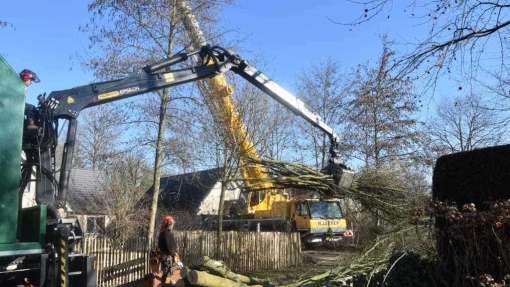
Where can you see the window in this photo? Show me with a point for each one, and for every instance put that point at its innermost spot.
(255, 198)
(302, 209)
(325, 209)
(95, 224)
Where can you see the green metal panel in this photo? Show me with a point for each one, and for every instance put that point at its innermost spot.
(12, 106)
(32, 232)
(32, 226)
(20, 248)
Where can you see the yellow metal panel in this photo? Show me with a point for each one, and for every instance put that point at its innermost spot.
(168, 77)
(109, 95)
(325, 223)
(70, 100)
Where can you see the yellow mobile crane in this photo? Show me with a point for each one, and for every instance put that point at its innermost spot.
(268, 208)
(316, 219)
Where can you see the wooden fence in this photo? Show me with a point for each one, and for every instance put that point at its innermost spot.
(242, 251)
(117, 264)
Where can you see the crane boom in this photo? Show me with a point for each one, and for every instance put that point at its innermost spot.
(256, 175)
(221, 105)
(291, 102)
(67, 104)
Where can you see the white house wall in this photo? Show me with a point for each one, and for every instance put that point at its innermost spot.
(28, 197)
(210, 204)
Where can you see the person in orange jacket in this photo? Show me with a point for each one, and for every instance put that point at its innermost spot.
(167, 245)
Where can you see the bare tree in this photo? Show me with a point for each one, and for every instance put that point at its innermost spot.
(211, 140)
(268, 125)
(463, 124)
(132, 34)
(326, 90)
(127, 182)
(230, 168)
(459, 32)
(381, 124)
(99, 137)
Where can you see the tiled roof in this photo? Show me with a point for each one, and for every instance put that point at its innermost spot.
(187, 191)
(86, 191)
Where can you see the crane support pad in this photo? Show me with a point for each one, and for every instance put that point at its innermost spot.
(12, 107)
(476, 176)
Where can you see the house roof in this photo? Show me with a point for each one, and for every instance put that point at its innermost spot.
(187, 191)
(86, 191)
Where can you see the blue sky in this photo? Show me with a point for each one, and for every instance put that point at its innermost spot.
(291, 35)
(286, 36)
(45, 39)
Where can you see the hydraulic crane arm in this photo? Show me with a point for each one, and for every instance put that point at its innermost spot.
(291, 102)
(342, 175)
(67, 104)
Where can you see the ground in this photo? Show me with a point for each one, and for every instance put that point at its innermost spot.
(315, 262)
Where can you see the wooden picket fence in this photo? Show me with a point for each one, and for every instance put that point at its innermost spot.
(120, 265)
(243, 251)
(117, 264)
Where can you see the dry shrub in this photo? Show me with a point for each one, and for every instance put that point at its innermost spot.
(382, 200)
(473, 245)
(126, 184)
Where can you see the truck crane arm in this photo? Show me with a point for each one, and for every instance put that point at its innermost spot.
(342, 175)
(67, 104)
(40, 143)
(335, 166)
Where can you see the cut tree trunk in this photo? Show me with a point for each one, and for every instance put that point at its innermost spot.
(219, 268)
(202, 278)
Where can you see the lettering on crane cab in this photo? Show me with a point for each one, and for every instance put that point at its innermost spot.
(325, 222)
(114, 94)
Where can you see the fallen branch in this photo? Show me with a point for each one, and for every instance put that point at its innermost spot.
(374, 261)
(378, 192)
(219, 268)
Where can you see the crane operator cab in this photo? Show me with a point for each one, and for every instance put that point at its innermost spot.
(321, 221)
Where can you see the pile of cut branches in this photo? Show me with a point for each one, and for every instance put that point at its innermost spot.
(206, 273)
(208, 268)
(377, 191)
(384, 262)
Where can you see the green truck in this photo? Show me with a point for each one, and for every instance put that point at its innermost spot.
(36, 244)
